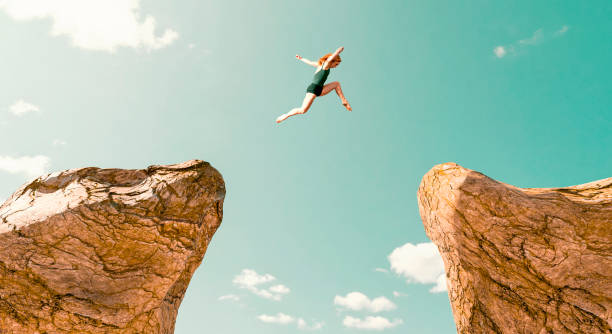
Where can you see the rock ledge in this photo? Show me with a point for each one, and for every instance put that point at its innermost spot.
(95, 250)
(521, 260)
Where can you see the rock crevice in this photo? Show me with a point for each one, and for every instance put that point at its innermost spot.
(521, 260)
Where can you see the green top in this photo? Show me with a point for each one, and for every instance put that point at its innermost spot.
(320, 77)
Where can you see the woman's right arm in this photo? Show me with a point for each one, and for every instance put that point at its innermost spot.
(331, 58)
(309, 62)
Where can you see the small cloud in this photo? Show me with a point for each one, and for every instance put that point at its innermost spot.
(398, 294)
(499, 51)
(58, 142)
(370, 323)
(357, 301)
(284, 319)
(302, 325)
(30, 166)
(249, 279)
(279, 318)
(230, 297)
(191, 45)
(381, 270)
(420, 263)
(562, 31)
(280, 289)
(537, 36)
(22, 107)
(94, 25)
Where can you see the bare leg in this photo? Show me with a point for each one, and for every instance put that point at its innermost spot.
(308, 99)
(336, 86)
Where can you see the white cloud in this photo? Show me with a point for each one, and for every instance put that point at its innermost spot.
(280, 318)
(191, 45)
(230, 297)
(101, 25)
(381, 270)
(357, 301)
(562, 31)
(284, 319)
(22, 107)
(500, 51)
(440, 285)
(30, 166)
(398, 294)
(420, 263)
(280, 289)
(249, 279)
(302, 325)
(370, 323)
(537, 36)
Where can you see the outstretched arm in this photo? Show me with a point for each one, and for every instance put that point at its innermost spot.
(332, 57)
(309, 62)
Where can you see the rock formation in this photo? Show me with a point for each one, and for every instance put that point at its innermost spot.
(521, 260)
(105, 250)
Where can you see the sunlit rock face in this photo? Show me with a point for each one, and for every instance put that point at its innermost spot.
(105, 250)
(521, 260)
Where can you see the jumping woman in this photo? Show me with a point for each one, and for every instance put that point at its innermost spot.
(317, 87)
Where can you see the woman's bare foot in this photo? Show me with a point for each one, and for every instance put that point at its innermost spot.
(282, 117)
(347, 105)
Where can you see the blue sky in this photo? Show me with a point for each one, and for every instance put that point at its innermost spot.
(321, 229)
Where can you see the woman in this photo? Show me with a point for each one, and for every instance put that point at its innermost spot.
(317, 88)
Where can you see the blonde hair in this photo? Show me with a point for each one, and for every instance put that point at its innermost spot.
(324, 58)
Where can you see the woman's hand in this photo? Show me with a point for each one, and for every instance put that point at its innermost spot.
(298, 57)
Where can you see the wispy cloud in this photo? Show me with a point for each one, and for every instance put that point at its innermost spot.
(303, 325)
(279, 318)
(562, 31)
(280, 289)
(31, 167)
(370, 323)
(22, 107)
(284, 319)
(539, 36)
(357, 301)
(230, 297)
(381, 270)
(58, 142)
(398, 294)
(420, 263)
(103, 25)
(249, 279)
(535, 39)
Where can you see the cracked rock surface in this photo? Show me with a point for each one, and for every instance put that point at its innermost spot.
(521, 260)
(105, 250)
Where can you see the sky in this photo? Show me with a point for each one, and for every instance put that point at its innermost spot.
(321, 229)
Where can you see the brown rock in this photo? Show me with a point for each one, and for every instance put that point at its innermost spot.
(521, 260)
(105, 250)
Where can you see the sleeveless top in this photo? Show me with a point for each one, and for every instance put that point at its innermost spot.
(320, 77)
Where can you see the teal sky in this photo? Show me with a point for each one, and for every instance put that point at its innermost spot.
(321, 200)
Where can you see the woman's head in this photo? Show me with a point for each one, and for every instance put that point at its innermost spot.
(334, 62)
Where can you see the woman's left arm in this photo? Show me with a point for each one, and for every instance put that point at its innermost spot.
(309, 62)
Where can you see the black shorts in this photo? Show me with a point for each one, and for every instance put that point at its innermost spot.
(315, 89)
